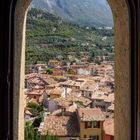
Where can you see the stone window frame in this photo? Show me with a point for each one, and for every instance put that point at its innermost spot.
(122, 13)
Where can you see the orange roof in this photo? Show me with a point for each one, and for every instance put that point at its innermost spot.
(109, 98)
(74, 97)
(109, 127)
(99, 95)
(57, 91)
(63, 102)
(91, 114)
(32, 75)
(36, 80)
(61, 126)
(47, 79)
(36, 92)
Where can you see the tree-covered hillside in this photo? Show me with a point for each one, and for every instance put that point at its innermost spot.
(49, 37)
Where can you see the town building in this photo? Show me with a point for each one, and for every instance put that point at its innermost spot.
(109, 129)
(54, 63)
(91, 123)
(63, 126)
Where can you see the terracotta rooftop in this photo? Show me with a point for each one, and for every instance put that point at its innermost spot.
(109, 98)
(74, 97)
(49, 80)
(107, 79)
(61, 126)
(63, 102)
(109, 127)
(99, 95)
(68, 111)
(36, 92)
(105, 89)
(57, 91)
(36, 80)
(40, 79)
(91, 114)
(84, 100)
(79, 82)
(32, 75)
(89, 86)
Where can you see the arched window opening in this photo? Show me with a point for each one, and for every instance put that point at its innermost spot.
(74, 83)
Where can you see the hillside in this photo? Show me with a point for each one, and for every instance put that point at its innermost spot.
(49, 37)
(85, 13)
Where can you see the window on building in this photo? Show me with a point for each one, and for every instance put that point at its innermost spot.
(96, 125)
(93, 137)
(89, 94)
(88, 124)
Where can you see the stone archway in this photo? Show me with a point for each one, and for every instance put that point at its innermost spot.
(120, 10)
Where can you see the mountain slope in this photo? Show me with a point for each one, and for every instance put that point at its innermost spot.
(82, 12)
(48, 37)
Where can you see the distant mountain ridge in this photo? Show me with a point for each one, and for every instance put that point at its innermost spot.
(83, 12)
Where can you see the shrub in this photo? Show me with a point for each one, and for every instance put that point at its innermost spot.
(31, 133)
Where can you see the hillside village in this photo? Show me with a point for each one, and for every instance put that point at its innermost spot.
(69, 79)
(77, 100)
(49, 37)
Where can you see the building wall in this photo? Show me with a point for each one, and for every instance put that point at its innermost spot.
(52, 106)
(83, 71)
(87, 93)
(53, 64)
(90, 131)
(96, 103)
(108, 137)
(54, 96)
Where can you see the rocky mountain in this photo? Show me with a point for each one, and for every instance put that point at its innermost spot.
(82, 12)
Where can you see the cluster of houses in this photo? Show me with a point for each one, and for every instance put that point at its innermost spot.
(79, 100)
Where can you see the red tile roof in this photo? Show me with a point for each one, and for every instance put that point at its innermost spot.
(36, 92)
(61, 126)
(109, 127)
(91, 114)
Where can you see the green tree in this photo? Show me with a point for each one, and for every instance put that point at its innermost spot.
(31, 133)
(35, 109)
(49, 71)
